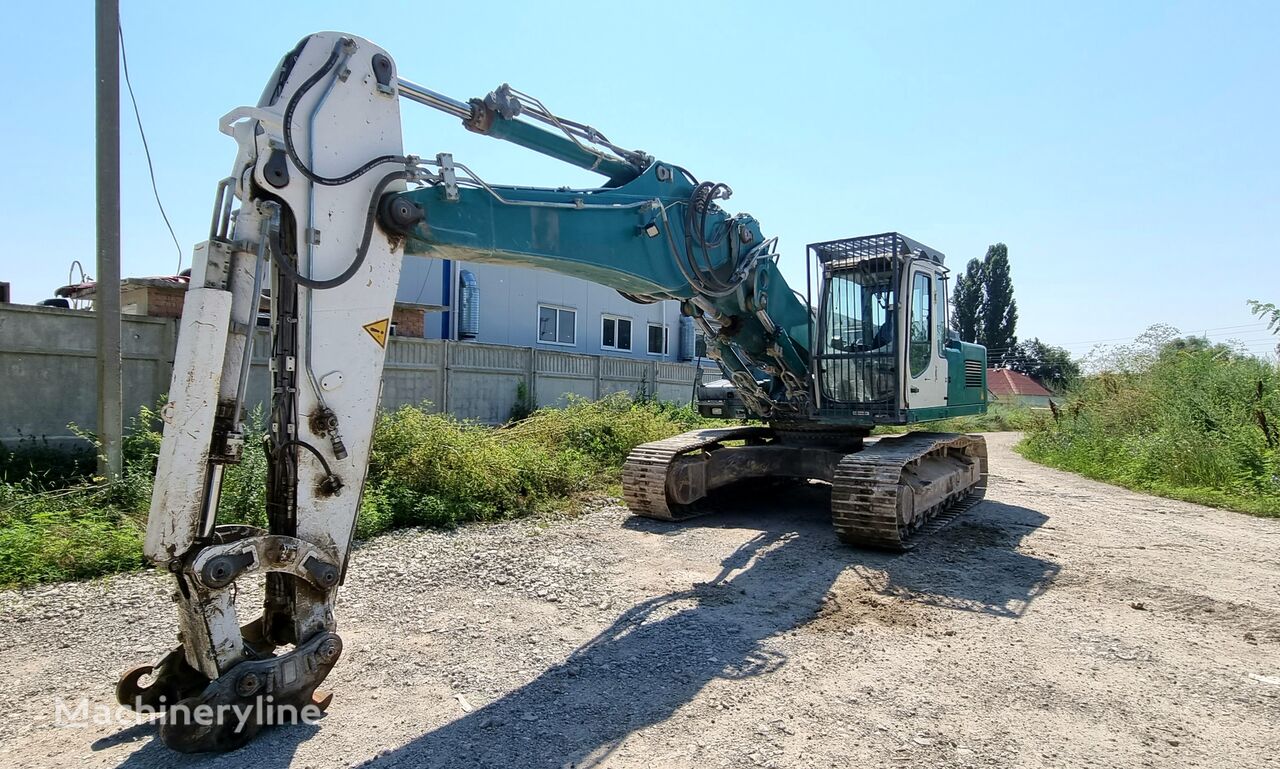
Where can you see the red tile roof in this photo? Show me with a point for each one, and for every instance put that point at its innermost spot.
(1003, 382)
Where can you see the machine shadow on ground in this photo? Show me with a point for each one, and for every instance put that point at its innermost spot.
(656, 656)
(974, 564)
(277, 747)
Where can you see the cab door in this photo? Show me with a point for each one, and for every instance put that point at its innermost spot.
(925, 382)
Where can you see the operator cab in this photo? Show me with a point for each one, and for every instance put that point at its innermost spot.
(885, 354)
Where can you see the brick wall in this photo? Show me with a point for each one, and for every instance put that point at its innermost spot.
(165, 302)
(410, 321)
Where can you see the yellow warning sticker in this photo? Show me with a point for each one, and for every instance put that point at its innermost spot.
(378, 330)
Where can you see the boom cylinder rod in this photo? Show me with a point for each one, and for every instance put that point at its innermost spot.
(525, 135)
(414, 92)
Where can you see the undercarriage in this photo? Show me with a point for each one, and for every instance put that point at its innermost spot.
(885, 492)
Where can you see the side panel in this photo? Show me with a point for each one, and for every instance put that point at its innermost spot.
(347, 353)
(183, 464)
(966, 374)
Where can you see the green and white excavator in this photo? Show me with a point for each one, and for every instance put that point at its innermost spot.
(321, 205)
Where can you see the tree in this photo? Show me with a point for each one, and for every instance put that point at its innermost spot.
(1051, 366)
(999, 310)
(983, 308)
(1196, 344)
(966, 302)
(1268, 312)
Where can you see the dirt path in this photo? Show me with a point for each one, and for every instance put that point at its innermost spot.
(1060, 623)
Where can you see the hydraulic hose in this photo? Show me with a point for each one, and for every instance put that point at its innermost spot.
(307, 85)
(282, 263)
(308, 447)
(701, 205)
(699, 272)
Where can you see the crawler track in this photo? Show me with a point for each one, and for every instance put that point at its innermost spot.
(644, 475)
(879, 499)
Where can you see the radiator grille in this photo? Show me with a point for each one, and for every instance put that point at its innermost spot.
(973, 374)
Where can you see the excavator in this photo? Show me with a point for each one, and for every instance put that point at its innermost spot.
(321, 206)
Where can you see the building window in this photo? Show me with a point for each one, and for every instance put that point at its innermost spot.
(557, 325)
(658, 339)
(615, 333)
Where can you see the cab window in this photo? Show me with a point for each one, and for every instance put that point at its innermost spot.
(942, 314)
(921, 333)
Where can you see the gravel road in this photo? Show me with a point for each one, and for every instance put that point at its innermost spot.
(1060, 623)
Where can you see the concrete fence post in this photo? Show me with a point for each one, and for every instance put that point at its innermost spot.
(531, 377)
(443, 406)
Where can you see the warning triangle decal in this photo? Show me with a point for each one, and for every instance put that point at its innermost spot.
(378, 330)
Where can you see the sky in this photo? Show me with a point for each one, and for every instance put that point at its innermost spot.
(1125, 152)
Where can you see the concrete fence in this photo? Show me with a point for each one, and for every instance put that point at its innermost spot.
(48, 378)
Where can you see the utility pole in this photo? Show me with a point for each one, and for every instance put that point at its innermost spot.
(106, 302)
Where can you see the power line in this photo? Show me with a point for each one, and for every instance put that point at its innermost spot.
(1014, 354)
(1256, 325)
(1247, 338)
(146, 149)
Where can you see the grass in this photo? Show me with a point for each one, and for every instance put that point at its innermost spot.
(47, 536)
(1190, 422)
(426, 469)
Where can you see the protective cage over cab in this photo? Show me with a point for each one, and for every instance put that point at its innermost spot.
(884, 352)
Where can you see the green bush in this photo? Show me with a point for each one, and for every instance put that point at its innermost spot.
(605, 430)
(58, 523)
(1185, 419)
(244, 486)
(525, 403)
(433, 470)
(69, 533)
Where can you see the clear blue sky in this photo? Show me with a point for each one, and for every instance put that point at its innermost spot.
(1126, 152)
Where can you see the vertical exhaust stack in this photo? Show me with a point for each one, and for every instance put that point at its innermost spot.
(688, 339)
(468, 305)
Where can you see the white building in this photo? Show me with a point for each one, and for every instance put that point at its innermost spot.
(498, 304)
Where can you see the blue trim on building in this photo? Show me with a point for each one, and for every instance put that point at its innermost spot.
(446, 296)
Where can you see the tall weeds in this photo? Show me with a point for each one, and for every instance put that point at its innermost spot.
(1176, 417)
